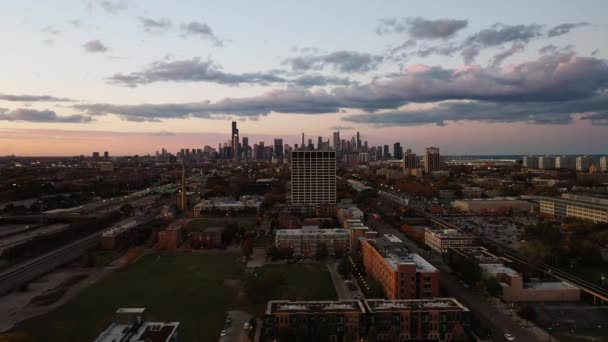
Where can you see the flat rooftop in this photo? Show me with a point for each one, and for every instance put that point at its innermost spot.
(294, 232)
(553, 285)
(480, 254)
(498, 268)
(148, 331)
(448, 233)
(384, 305)
(394, 252)
(275, 306)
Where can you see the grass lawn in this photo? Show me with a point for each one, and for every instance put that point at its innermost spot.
(304, 282)
(201, 223)
(185, 288)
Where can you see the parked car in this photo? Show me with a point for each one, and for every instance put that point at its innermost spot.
(510, 337)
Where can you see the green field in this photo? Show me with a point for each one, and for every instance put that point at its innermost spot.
(201, 223)
(185, 288)
(303, 281)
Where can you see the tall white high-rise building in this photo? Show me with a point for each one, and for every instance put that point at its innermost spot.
(313, 177)
(604, 164)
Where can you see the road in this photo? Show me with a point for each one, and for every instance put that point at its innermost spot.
(341, 289)
(475, 301)
(236, 333)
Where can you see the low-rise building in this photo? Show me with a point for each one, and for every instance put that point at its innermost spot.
(306, 242)
(314, 320)
(119, 236)
(493, 205)
(171, 237)
(515, 290)
(439, 240)
(210, 237)
(437, 319)
(130, 324)
(226, 204)
(582, 207)
(472, 192)
(403, 275)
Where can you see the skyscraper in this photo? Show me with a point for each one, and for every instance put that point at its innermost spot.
(313, 177)
(246, 147)
(410, 160)
(385, 153)
(319, 143)
(337, 141)
(278, 148)
(303, 146)
(235, 141)
(397, 151)
(358, 147)
(431, 160)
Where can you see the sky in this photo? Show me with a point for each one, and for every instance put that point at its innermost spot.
(132, 77)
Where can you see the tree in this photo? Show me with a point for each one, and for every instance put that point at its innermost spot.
(127, 209)
(247, 246)
(345, 267)
(493, 286)
(321, 252)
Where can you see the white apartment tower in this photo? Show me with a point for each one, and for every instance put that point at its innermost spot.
(313, 177)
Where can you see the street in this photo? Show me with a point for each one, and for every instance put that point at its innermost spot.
(475, 301)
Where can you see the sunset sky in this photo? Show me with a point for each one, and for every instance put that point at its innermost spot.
(131, 77)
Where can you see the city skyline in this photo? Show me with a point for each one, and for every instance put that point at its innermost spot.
(472, 79)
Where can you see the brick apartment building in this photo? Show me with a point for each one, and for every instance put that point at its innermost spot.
(306, 241)
(402, 274)
(210, 237)
(313, 321)
(171, 238)
(440, 240)
(438, 319)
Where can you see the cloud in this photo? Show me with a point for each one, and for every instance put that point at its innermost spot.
(95, 46)
(469, 54)
(152, 25)
(74, 22)
(201, 30)
(341, 128)
(498, 58)
(47, 116)
(198, 70)
(564, 29)
(342, 61)
(492, 112)
(499, 34)
(52, 30)
(162, 134)
(32, 98)
(420, 28)
(548, 82)
(113, 6)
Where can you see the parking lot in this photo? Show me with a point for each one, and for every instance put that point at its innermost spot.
(505, 230)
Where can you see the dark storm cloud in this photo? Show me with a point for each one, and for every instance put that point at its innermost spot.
(342, 61)
(421, 28)
(158, 25)
(200, 30)
(197, 70)
(549, 82)
(95, 46)
(47, 116)
(564, 28)
(32, 98)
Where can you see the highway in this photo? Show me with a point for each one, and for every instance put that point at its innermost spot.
(29, 270)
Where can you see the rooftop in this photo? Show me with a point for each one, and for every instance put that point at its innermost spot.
(395, 253)
(379, 305)
(480, 254)
(148, 331)
(498, 268)
(292, 232)
(313, 306)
